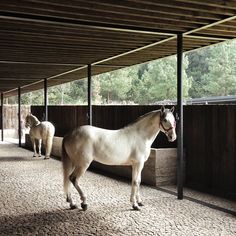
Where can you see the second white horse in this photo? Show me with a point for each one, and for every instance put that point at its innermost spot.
(42, 131)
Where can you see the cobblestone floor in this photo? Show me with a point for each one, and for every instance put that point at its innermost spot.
(32, 203)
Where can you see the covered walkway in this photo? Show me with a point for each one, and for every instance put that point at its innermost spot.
(32, 203)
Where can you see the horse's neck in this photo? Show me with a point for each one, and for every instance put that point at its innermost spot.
(35, 121)
(148, 127)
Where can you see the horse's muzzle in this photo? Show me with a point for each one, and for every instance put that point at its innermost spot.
(171, 138)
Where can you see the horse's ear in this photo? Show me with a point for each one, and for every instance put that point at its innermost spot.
(172, 109)
(162, 109)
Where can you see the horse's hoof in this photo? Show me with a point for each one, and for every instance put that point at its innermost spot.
(84, 206)
(34, 156)
(140, 204)
(46, 158)
(73, 206)
(39, 155)
(136, 208)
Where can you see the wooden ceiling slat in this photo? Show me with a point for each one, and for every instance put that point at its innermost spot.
(219, 3)
(51, 33)
(194, 6)
(128, 8)
(120, 23)
(62, 47)
(112, 16)
(217, 32)
(12, 38)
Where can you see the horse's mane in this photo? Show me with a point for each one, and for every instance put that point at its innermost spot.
(34, 119)
(141, 118)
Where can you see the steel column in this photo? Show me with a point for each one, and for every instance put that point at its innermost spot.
(180, 167)
(45, 100)
(2, 116)
(90, 117)
(19, 115)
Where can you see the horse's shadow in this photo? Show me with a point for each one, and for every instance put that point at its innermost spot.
(58, 222)
(19, 158)
(34, 222)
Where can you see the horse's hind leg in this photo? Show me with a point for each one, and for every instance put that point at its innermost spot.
(69, 199)
(74, 178)
(40, 146)
(48, 147)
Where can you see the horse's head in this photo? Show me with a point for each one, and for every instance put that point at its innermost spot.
(168, 123)
(30, 120)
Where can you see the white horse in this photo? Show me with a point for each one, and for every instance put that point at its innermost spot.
(40, 131)
(130, 145)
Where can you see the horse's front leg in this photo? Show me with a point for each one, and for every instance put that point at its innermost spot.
(34, 146)
(40, 146)
(136, 180)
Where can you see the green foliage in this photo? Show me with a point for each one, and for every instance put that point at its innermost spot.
(159, 82)
(33, 98)
(69, 93)
(114, 86)
(213, 70)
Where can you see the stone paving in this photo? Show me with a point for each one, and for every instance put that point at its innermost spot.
(32, 203)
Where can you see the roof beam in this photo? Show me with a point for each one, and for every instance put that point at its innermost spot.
(210, 25)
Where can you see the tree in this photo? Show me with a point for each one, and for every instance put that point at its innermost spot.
(221, 81)
(159, 81)
(213, 70)
(78, 91)
(115, 85)
(33, 98)
(59, 94)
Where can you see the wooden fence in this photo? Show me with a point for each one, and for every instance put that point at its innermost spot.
(209, 139)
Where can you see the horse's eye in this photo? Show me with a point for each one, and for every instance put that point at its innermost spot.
(165, 120)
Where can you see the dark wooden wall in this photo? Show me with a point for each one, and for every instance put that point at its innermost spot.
(209, 139)
(210, 145)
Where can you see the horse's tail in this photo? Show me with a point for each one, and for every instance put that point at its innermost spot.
(49, 138)
(67, 167)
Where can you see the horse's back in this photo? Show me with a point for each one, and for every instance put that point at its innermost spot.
(49, 127)
(43, 130)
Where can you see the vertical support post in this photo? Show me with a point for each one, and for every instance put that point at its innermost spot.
(45, 100)
(19, 115)
(180, 167)
(89, 95)
(2, 134)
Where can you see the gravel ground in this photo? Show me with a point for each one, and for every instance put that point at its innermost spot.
(32, 202)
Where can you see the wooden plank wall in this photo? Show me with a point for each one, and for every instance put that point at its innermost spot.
(209, 139)
(210, 145)
(64, 118)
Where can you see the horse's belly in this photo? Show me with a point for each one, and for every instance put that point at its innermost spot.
(112, 158)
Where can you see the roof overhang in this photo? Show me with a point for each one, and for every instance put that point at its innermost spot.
(56, 40)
